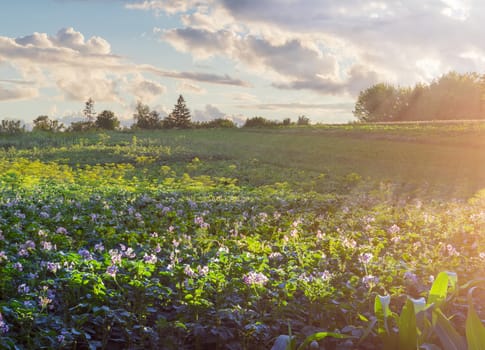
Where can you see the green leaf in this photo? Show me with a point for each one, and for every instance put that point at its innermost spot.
(449, 337)
(439, 289)
(319, 336)
(419, 304)
(475, 331)
(282, 342)
(382, 312)
(408, 333)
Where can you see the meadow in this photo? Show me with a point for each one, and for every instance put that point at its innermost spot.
(229, 239)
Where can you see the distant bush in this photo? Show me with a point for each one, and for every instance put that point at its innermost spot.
(44, 123)
(303, 120)
(215, 123)
(259, 122)
(81, 126)
(287, 122)
(11, 127)
(107, 120)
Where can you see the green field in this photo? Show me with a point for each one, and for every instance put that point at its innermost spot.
(444, 160)
(227, 239)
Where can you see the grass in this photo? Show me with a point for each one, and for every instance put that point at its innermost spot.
(438, 159)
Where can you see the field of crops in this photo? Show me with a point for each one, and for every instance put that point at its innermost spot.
(228, 239)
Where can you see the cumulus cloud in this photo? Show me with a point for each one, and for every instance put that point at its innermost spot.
(333, 47)
(297, 64)
(209, 113)
(146, 90)
(82, 67)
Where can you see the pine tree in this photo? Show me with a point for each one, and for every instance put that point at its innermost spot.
(180, 116)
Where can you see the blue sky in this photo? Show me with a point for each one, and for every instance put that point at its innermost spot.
(228, 58)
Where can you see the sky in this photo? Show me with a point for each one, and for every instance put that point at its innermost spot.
(231, 59)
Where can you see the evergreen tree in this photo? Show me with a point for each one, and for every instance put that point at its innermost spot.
(180, 116)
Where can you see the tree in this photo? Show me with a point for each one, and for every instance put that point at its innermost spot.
(146, 119)
(303, 120)
(452, 96)
(107, 120)
(180, 116)
(11, 127)
(380, 102)
(44, 123)
(287, 122)
(88, 110)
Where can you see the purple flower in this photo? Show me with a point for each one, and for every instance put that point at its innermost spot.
(394, 229)
(112, 270)
(408, 275)
(61, 231)
(199, 220)
(202, 271)
(129, 253)
(85, 254)
(18, 266)
(370, 280)
(365, 258)
(23, 252)
(115, 256)
(277, 256)
(3, 325)
(46, 245)
(28, 245)
(189, 272)
(23, 289)
(52, 266)
(255, 278)
(99, 247)
(326, 275)
(150, 258)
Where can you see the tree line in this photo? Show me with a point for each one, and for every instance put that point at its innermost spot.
(144, 119)
(453, 96)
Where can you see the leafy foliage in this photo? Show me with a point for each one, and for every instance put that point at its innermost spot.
(452, 96)
(11, 127)
(128, 240)
(107, 120)
(146, 119)
(44, 123)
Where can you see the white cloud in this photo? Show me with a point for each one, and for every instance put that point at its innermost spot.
(292, 64)
(81, 68)
(185, 86)
(17, 93)
(146, 90)
(164, 6)
(333, 46)
(209, 113)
